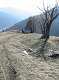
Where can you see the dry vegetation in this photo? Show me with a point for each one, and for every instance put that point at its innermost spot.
(16, 65)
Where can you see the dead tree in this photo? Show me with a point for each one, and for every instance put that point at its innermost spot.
(47, 17)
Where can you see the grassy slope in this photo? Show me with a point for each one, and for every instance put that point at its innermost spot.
(27, 67)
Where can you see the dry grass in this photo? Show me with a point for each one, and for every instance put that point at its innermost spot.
(16, 65)
(53, 40)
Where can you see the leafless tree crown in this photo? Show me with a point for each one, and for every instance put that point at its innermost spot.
(47, 17)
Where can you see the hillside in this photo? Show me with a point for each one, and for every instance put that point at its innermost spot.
(6, 20)
(15, 64)
(36, 25)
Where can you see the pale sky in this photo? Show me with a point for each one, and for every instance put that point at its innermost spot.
(29, 6)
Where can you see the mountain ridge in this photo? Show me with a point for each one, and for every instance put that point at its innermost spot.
(54, 27)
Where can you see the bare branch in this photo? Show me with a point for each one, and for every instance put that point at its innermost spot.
(55, 17)
(48, 17)
(40, 9)
(44, 6)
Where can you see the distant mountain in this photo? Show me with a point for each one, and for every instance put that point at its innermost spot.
(6, 20)
(18, 26)
(54, 27)
(10, 16)
(35, 19)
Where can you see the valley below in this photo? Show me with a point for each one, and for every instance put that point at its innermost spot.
(17, 64)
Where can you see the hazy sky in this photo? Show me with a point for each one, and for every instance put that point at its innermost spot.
(28, 6)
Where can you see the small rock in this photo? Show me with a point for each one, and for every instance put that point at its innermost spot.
(25, 52)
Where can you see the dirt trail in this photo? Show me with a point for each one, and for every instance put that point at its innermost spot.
(6, 72)
(15, 65)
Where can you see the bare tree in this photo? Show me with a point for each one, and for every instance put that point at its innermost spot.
(47, 17)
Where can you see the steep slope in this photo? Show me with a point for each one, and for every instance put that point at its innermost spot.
(18, 26)
(54, 27)
(22, 24)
